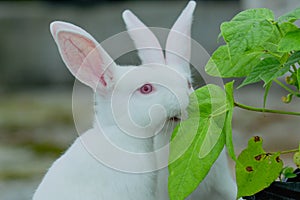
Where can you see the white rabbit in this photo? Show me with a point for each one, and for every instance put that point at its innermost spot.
(92, 168)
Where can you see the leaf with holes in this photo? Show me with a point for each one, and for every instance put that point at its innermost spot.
(256, 169)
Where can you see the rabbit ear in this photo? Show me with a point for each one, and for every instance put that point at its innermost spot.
(178, 47)
(83, 56)
(146, 43)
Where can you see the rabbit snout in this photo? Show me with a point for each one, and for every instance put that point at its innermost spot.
(178, 106)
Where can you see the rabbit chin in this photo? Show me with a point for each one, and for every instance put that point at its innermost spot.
(162, 138)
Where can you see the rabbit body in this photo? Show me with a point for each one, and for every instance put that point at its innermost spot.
(117, 158)
(77, 175)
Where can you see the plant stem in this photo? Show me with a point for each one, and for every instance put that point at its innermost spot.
(274, 54)
(289, 151)
(285, 87)
(265, 110)
(279, 29)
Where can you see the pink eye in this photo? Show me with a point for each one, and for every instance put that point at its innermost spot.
(146, 89)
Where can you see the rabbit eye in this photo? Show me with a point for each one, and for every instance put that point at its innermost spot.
(146, 89)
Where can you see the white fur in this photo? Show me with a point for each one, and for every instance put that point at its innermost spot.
(79, 174)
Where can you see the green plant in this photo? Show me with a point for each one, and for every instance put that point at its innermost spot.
(287, 172)
(259, 48)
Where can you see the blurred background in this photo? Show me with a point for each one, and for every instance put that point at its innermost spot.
(36, 122)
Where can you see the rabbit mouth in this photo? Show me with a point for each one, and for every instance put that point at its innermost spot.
(175, 119)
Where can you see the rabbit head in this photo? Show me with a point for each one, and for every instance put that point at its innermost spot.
(142, 97)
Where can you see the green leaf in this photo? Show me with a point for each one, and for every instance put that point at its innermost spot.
(254, 14)
(290, 175)
(267, 70)
(296, 159)
(271, 46)
(290, 42)
(218, 62)
(228, 123)
(293, 59)
(247, 30)
(263, 67)
(287, 27)
(255, 169)
(273, 73)
(290, 16)
(197, 142)
(242, 36)
(288, 172)
(221, 65)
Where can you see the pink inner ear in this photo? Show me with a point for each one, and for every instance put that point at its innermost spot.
(76, 49)
(81, 53)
